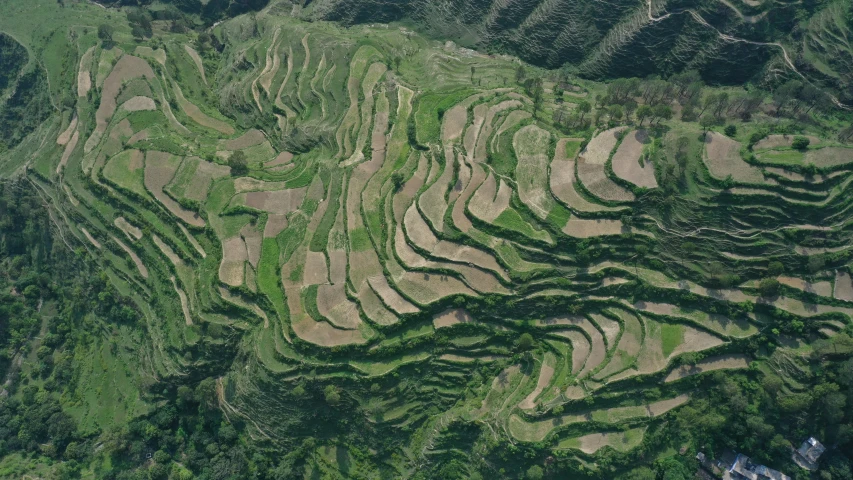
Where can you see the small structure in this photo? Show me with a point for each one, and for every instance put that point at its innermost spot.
(743, 469)
(808, 454)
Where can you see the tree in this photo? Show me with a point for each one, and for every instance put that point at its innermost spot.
(239, 163)
(105, 32)
(816, 263)
(584, 107)
(535, 473)
(775, 269)
(800, 143)
(615, 112)
(525, 342)
(520, 74)
(706, 123)
(333, 396)
(730, 130)
(662, 111)
(643, 112)
(768, 287)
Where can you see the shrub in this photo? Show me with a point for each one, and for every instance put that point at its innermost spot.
(239, 163)
(768, 287)
(801, 143)
(730, 130)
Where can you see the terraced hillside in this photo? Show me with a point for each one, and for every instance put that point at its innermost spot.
(413, 242)
(730, 42)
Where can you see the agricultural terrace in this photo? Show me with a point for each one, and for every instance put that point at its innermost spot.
(364, 206)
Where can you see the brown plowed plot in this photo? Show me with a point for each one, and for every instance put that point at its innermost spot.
(608, 326)
(776, 141)
(843, 286)
(65, 136)
(598, 349)
(333, 304)
(390, 297)
(488, 126)
(323, 334)
(451, 317)
(133, 233)
(373, 307)
(626, 161)
(598, 149)
(249, 139)
(580, 348)
(139, 103)
(462, 222)
(818, 288)
(252, 236)
(721, 362)
(650, 358)
(620, 441)
(563, 185)
(315, 270)
(422, 236)
(629, 346)
(205, 174)
(475, 278)
(89, 236)
(188, 319)
(278, 202)
(696, 340)
(133, 256)
(198, 116)
(432, 202)
(197, 60)
(234, 257)
(84, 76)
(160, 168)
(337, 266)
(594, 178)
(531, 145)
(489, 201)
(128, 67)
(69, 149)
(722, 156)
(512, 119)
(829, 156)
(585, 228)
(469, 142)
(167, 251)
(454, 123)
(546, 372)
(283, 158)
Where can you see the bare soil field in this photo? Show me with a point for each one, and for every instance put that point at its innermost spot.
(512, 119)
(722, 156)
(390, 297)
(818, 288)
(133, 256)
(546, 372)
(626, 161)
(595, 179)
(278, 202)
(586, 228)
(283, 158)
(249, 139)
(829, 156)
(720, 362)
(167, 251)
(65, 136)
(598, 150)
(188, 319)
(160, 168)
(84, 75)
(89, 236)
(333, 304)
(126, 68)
(531, 145)
(139, 103)
(234, 257)
(843, 286)
(132, 232)
(777, 141)
(315, 269)
(451, 317)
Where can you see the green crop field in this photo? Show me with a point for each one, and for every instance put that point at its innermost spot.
(238, 244)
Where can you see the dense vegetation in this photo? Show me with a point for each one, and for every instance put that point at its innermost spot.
(278, 249)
